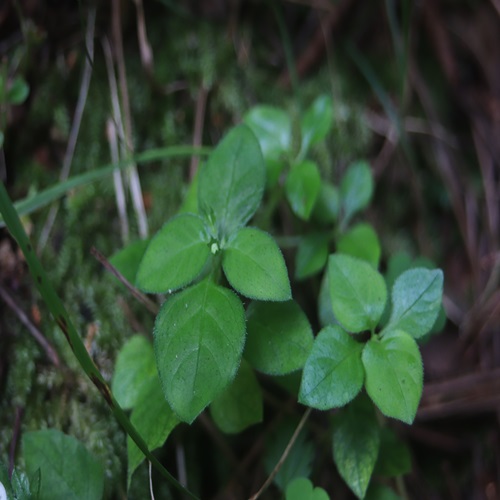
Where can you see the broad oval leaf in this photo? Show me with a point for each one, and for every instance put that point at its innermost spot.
(356, 443)
(333, 373)
(67, 468)
(394, 374)
(175, 256)
(326, 209)
(416, 301)
(231, 184)
(356, 190)
(135, 367)
(302, 488)
(279, 337)
(198, 340)
(153, 419)
(254, 266)
(357, 291)
(273, 130)
(240, 405)
(317, 122)
(302, 187)
(312, 255)
(361, 241)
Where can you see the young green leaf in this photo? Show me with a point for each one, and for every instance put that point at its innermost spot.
(18, 91)
(416, 300)
(302, 488)
(254, 266)
(153, 418)
(198, 340)
(327, 206)
(312, 255)
(135, 366)
(316, 123)
(358, 292)
(361, 241)
(67, 468)
(175, 256)
(356, 189)
(333, 373)
(356, 442)
(273, 130)
(394, 374)
(240, 405)
(128, 259)
(302, 187)
(279, 337)
(231, 184)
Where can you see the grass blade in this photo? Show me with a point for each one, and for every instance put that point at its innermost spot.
(40, 200)
(58, 311)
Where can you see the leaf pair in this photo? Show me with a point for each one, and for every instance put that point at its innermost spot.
(230, 189)
(200, 332)
(389, 365)
(272, 127)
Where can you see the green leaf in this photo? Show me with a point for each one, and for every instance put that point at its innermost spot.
(394, 374)
(18, 91)
(298, 462)
(175, 256)
(273, 130)
(394, 457)
(127, 260)
(254, 266)
(325, 311)
(312, 255)
(316, 122)
(302, 187)
(356, 442)
(67, 469)
(333, 373)
(361, 241)
(416, 300)
(240, 405)
(232, 182)
(190, 202)
(154, 420)
(356, 190)
(302, 488)
(279, 337)
(135, 367)
(326, 209)
(358, 292)
(198, 340)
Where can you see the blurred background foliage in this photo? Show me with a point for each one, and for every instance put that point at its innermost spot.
(416, 90)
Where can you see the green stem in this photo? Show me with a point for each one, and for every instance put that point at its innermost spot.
(63, 320)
